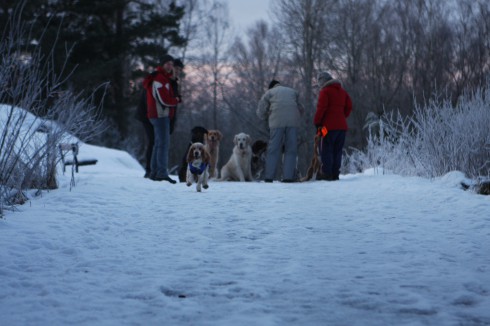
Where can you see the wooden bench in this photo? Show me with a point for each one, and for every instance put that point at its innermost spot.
(66, 148)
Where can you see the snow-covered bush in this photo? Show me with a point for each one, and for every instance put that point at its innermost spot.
(438, 138)
(36, 115)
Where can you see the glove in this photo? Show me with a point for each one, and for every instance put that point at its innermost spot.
(322, 131)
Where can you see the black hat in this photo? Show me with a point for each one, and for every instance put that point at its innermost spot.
(178, 63)
(166, 58)
(273, 83)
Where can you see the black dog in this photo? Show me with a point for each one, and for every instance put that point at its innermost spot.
(259, 150)
(197, 136)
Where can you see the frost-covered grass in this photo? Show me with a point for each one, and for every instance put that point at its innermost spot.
(440, 137)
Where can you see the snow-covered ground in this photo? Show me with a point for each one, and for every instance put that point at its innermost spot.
(370, 249)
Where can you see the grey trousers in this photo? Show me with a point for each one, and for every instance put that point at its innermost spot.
(279, 137)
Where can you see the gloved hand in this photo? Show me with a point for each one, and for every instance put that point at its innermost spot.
(322, 131)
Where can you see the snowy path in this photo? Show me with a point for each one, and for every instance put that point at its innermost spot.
(368, 250)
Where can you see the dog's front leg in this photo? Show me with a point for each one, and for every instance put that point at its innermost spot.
(198, 185)
(241, 176)
(205, 177)
(189, 178)
(239, 169)
(246, 169)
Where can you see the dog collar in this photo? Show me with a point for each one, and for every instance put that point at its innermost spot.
(198, 170)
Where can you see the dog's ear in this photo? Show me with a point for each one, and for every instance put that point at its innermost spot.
(220, 135)
(249, 139)
(235, 140)
(190, 156)
(205, 138)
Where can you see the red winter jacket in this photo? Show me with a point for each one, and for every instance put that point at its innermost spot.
(159, 94)
(333, 107)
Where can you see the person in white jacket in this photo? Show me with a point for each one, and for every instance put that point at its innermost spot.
(280, 106)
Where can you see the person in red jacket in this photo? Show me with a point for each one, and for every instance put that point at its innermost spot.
(332, 110)
(160, 99)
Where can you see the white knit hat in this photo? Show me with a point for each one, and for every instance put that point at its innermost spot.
(323, 77)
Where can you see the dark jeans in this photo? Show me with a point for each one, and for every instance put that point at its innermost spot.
(159, 158)
(331, 152)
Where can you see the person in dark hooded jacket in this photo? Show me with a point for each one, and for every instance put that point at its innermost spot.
(174, 81)
(333, 108)
(141, 115)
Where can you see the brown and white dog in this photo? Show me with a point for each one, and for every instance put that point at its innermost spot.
(315, 169)
(198, 166)
(212, 140)
(197, 136)
(238, 168)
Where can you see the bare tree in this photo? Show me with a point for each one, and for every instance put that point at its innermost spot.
(357, 33)
(254, 64)
(305, 28)
(372, 58)
(431, 46)
(471, 45)
(217, 34)
(188, 114)
(258, 60)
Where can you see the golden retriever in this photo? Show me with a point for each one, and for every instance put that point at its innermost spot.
(211, 141)
(198, 166)
(238, 168)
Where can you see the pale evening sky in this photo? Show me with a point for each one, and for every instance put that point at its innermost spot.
(245, 13)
